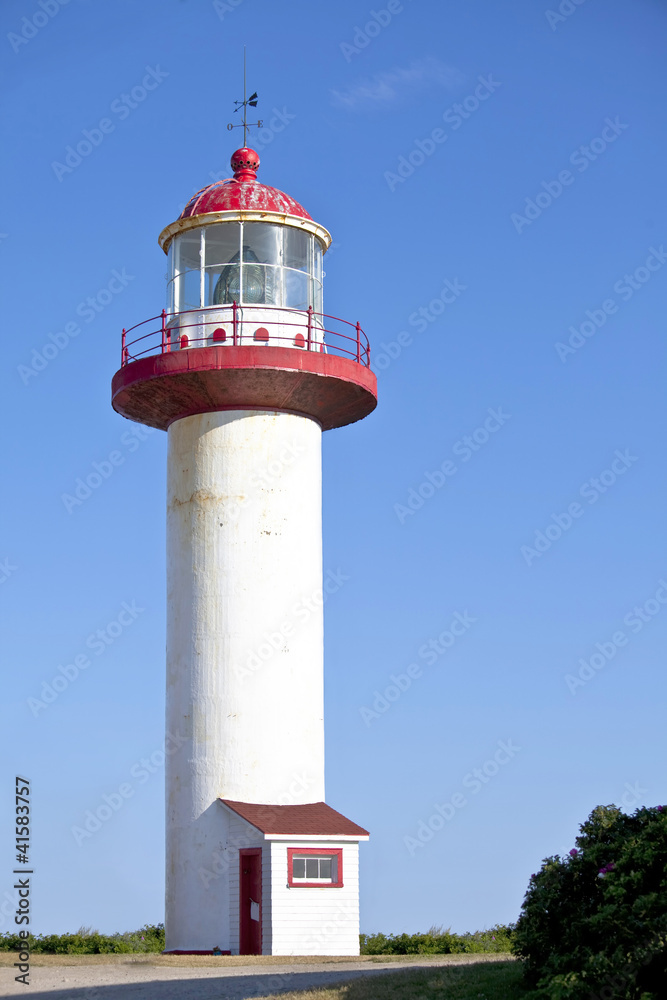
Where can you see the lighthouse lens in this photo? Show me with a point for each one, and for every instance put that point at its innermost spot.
(233, 286)
(253, 285)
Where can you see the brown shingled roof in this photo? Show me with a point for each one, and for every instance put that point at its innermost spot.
(316, 818)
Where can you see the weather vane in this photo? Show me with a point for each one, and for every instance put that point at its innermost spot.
(245, 104)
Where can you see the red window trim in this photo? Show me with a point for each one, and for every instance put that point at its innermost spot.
(329, 852)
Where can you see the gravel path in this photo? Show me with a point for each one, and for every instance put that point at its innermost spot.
(151, 982)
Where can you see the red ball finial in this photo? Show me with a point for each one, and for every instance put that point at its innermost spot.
(245, 163)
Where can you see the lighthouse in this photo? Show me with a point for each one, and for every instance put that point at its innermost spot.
(244, 370)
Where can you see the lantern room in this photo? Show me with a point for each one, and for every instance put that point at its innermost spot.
(244, 323)
(250, 263)
(251, 257)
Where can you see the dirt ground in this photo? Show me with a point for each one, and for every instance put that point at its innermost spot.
(184, 977)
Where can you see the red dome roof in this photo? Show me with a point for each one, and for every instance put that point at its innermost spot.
(242, 192)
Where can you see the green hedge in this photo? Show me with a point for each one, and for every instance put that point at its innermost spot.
(593, 925)
(437, 941)
(149, 938)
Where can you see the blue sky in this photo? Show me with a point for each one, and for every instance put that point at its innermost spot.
(493, 177)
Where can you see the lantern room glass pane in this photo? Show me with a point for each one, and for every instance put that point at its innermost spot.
(185, 271)
(222, 269)
(317, 260)
(262, 242)
(190, 290)
(296, 289)
(318, 304)
(222, 243)
(297, 246)
(261, 256)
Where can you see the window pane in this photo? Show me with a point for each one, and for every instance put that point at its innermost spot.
(171, 299)
(318, 306)
(222, 243)
(296, 289)
(325, 867)
(190, 290)
(262, 242)
(312, 867)
(186, 255)
(298, 868)
(184, 260)
(317, 260)
(296, 248)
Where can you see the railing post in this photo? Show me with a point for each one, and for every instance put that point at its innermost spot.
(123, 350)
(234, 323)
(163, 332)
(310, 326)
(358, 343)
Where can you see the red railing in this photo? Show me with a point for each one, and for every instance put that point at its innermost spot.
(233, 324)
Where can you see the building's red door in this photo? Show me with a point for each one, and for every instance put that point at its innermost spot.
(250, 908)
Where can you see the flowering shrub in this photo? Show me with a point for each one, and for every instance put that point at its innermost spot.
(593, 925)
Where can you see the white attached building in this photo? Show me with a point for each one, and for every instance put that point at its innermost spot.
(295, 890)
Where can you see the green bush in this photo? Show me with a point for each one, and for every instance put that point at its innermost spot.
(437, 941)
(593, 925)
(86, 941)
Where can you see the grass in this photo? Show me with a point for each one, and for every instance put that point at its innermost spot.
(496, 980)
(7, 959)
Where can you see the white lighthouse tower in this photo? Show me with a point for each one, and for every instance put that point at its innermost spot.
(244, 370)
